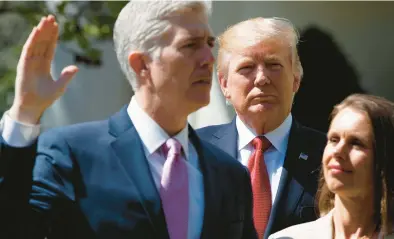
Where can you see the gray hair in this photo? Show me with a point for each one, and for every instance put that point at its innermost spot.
(140, 24)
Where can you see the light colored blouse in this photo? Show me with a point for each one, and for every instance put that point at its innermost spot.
(321, 228)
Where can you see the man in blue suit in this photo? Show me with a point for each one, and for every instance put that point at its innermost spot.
(259, 73)
(142, 173)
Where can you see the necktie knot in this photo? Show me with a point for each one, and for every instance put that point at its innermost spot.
(172, 147)
(261, 143)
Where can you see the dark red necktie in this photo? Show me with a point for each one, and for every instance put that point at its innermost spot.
(260, 185)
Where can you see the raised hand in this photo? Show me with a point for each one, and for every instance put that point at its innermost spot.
(35, 89)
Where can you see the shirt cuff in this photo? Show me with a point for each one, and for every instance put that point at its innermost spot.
(18, 134)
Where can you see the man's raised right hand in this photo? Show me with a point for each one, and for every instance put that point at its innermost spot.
(35, 89)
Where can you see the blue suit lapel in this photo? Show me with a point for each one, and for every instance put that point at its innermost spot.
(287, 196)
(210, 172)
(289, 189)
(128, 148)
(226, 138)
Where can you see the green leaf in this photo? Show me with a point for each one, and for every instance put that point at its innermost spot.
(93, 54)
(100, 18)
(91, 30)
(17, 49)
(6, 89)
(116, 6)
(67, 34)
(7, 81)
(82, 41)
(61, 7)
(105, 29)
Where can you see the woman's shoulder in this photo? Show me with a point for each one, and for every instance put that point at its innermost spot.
(297, 231)
(320, 228)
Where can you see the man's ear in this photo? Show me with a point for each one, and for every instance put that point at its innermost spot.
(223, 85)
(138, 62)
(296, 82)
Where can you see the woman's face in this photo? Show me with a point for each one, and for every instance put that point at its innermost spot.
(348, 161)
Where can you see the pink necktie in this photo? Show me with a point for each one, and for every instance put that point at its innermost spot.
(174, 190)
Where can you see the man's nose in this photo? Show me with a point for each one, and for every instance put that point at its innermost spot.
(207, 56)
(261, 78)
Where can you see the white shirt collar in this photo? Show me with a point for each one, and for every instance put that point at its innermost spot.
(150, 132)
(278, 137)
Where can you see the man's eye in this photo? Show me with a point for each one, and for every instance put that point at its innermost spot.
(333, 139)
(274, 66)
(190, 45)
(246, 67)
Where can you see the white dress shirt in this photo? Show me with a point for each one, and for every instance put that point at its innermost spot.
(152, 136)
(274, 157)
(18, 134)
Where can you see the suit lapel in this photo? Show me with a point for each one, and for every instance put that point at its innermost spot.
(128, 148)
(212, 194)
(290, 190)
(226, 139)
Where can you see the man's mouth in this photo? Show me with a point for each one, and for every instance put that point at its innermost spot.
(203, 82)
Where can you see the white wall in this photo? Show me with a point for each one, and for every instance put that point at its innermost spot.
(364, 31)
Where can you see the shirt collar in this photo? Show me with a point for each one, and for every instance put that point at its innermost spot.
(150, 132)
(278, 137)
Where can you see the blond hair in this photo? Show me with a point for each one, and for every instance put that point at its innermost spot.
(253, 31)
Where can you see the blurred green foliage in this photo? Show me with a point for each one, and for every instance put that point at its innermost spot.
(82, 22)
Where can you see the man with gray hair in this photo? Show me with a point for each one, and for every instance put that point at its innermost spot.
(259, 73)
(143, 173)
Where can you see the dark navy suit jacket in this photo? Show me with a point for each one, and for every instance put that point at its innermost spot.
(92, 180)
(294, 203)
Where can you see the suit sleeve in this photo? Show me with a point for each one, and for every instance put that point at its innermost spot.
(52, 189)
(249, 230)
(17, 153)
(34, 186)
(16, 166)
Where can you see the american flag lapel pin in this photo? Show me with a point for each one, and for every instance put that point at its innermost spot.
(303, 156)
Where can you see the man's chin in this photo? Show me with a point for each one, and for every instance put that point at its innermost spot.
(262, 107)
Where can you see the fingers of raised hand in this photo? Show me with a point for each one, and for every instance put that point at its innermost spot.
(42, 40)
(66, 76)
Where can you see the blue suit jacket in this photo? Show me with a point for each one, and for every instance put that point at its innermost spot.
(294, 203)
(92, 180)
